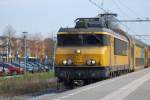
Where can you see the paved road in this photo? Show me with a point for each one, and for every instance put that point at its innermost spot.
(133, 86)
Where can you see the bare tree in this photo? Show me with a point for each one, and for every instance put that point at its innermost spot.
(36, 36)
(36, 45)
(9, 34)
(49, 47)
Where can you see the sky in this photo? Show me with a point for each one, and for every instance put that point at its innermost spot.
(47, 16)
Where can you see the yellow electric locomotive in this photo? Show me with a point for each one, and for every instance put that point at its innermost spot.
(94, 49)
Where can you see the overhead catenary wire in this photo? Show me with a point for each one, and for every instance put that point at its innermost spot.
(129, 29)
(124, 13)
(137, 20)
(94, 3)
(142, 35)
(135, 35)
(118, 7)
(133, 12)
(129, 9)
(144, 38)
(102, 3)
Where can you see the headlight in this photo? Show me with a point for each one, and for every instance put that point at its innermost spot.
(88, 62)
(78, 51)
(64, 62)
(67, 62)
(91, 62)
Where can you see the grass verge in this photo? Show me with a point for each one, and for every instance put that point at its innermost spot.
(26, 84)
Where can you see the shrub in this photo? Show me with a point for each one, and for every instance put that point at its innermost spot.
(27, 83)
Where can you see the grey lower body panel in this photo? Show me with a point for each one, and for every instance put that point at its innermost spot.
(81, 73)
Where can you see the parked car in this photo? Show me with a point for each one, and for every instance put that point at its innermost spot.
(17, 69)
(13, 69)
(28, 67)
(1, 71)
(43, 67)
(4, 71)
(18, 66)
(31, 67)
(37, 66)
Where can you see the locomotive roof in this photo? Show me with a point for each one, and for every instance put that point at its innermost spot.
(118, 31)
(111, 32)
(83, 29)
(102, 23)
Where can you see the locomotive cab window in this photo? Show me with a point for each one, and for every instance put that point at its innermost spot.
(69, 40)
(120, 47)
(82, 40)
(96, 39)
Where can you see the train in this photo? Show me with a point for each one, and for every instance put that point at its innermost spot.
(97, 48)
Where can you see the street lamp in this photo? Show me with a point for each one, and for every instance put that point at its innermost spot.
(7, 49)
(54, 51)
(25, 49)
